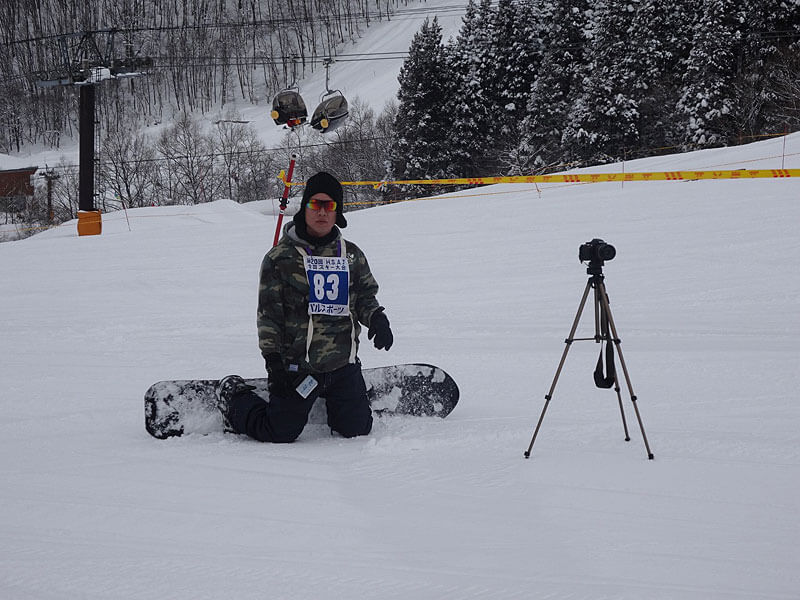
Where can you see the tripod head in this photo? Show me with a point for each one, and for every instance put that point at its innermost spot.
(595, 268)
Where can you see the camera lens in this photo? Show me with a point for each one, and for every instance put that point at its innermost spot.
(606, 252)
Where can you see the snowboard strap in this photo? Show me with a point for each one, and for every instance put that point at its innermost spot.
(342, 247)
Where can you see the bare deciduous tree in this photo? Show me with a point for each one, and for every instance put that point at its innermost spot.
(127, 166)
(189, 162)
(204, 53)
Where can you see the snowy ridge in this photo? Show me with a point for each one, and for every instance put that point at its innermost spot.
(484, 283)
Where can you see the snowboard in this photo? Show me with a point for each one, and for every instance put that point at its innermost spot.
(180, 407)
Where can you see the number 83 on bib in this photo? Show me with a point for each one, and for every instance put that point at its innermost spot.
(328, 285)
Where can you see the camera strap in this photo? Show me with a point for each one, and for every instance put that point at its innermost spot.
(601, 380)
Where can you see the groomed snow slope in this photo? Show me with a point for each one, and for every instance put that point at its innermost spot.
(486, 284)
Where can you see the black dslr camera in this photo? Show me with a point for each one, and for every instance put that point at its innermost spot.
(596, 253)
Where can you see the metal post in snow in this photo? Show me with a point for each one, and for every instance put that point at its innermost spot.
(783, 154)
(86, 148)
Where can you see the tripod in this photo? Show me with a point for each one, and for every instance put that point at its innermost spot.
(603, 328)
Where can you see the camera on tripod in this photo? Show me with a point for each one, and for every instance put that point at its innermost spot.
(596, 251)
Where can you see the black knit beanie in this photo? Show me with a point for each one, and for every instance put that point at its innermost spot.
(327, 184)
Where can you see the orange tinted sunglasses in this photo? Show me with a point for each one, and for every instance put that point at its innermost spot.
(329, 205)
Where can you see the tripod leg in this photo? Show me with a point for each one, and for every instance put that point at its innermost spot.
(621, 410)
(607, 310)
(597, 311)
(568, 342)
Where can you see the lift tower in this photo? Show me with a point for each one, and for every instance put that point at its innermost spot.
(84, 64)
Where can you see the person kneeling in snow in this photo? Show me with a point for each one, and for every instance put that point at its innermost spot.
(315, 290)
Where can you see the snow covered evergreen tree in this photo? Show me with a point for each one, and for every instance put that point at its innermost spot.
(707, 102)
(468, 106)
(516, 50)
(422, 124)
(659, 45)
(532, 84)
(548, 103)
(516, 44)
(604, 117)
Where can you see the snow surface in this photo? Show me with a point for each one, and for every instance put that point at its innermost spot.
(486, 284)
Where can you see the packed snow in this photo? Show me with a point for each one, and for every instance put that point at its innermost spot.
(483, 282)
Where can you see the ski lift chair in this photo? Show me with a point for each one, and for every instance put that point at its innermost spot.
(331, 112)
(288, 108)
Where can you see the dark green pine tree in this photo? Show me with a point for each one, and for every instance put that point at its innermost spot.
(604, 117)
(659, 45)
(549, 102)
(468, 107)
(421, 127)
(513, 63)
(517, 36)
(707, 104)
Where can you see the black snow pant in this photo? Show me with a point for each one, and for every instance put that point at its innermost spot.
(282, 419)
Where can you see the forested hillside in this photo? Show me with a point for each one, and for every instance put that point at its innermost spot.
(198, 53)
(546, 84)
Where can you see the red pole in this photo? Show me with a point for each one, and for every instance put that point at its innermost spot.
(284, 199)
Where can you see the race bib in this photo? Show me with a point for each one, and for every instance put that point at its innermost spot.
(328, 285)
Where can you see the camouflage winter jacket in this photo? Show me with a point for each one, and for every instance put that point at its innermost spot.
(283, 306)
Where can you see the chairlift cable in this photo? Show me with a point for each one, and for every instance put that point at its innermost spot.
(399, 15)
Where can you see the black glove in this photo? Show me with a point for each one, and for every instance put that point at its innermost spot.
(380, 330)
(279, 380)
